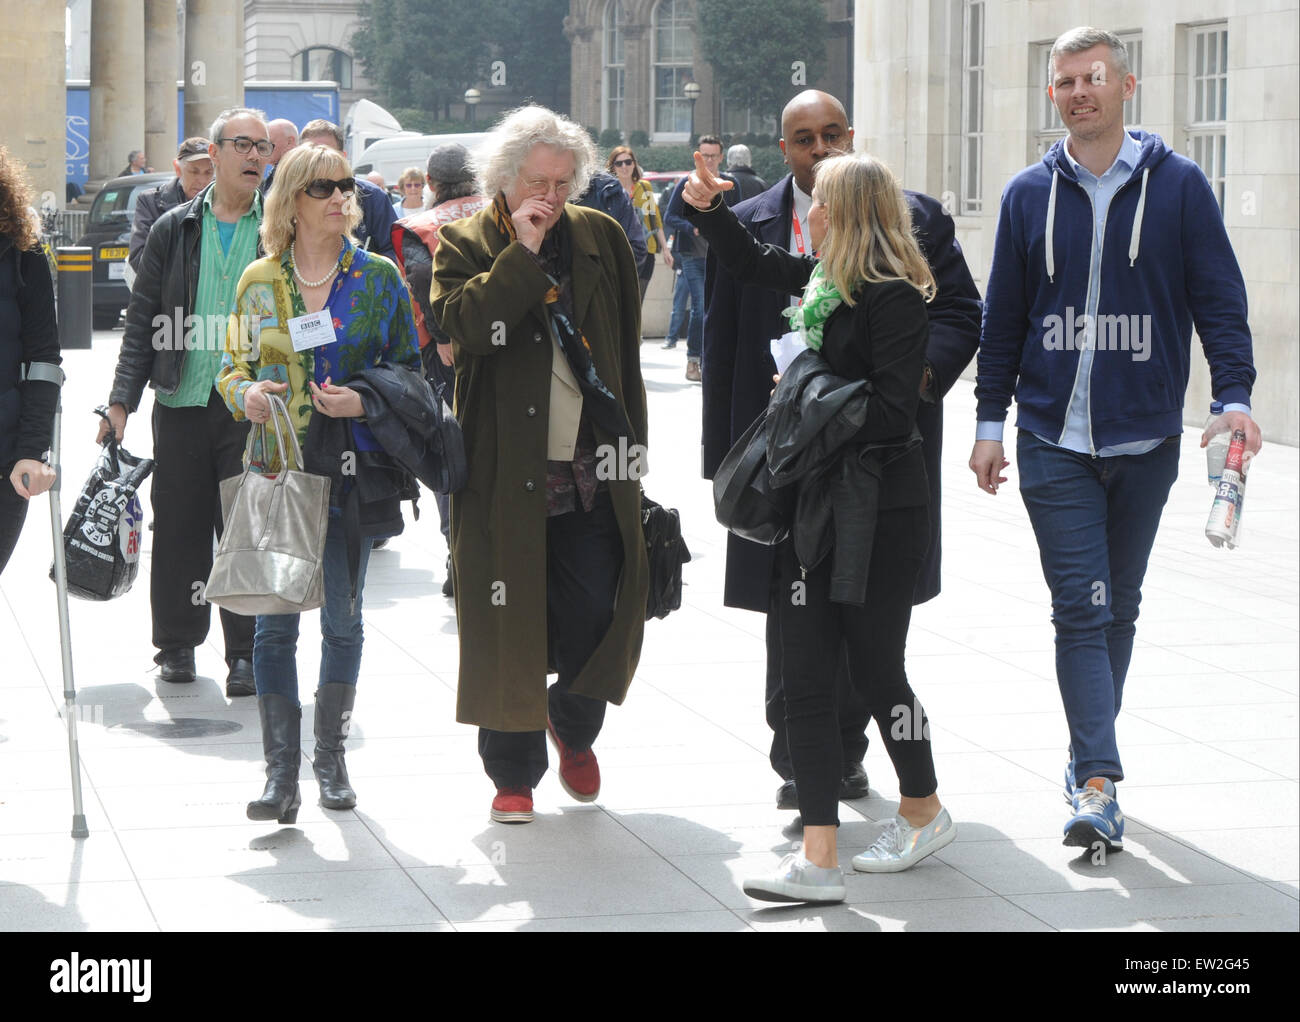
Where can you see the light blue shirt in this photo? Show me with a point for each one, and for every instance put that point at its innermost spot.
(1077, 435)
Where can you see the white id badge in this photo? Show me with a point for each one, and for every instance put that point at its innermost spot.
(311, 331)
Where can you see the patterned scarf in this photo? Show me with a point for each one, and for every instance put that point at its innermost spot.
(598, 401)
(820, 298)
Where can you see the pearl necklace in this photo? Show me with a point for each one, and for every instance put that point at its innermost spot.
(293, 258)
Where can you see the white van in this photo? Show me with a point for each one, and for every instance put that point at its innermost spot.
(391, 156)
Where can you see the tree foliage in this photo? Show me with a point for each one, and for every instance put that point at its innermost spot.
(763, 52)
(426, 53)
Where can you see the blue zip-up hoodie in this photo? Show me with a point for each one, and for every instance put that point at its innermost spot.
(1165, 256)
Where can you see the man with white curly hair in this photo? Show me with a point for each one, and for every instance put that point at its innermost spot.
(540, 299)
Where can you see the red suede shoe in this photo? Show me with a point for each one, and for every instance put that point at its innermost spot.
(513, 805)
(579, 771)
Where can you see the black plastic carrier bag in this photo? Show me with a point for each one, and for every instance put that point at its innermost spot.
(101, 542)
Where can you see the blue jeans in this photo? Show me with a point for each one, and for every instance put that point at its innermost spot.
(275, 641)
(693, 277)
(681, 305)
(1095, 520)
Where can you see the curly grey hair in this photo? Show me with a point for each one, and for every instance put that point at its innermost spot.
(1084, 38)
(501, 158)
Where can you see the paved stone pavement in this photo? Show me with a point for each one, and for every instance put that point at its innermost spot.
(1209, 736)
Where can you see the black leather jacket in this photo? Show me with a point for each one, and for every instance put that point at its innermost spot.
(813, 443)
(165, 286)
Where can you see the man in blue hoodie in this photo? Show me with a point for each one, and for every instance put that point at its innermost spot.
(1107, 253)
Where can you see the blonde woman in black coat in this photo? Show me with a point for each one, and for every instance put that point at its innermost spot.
(864, 310)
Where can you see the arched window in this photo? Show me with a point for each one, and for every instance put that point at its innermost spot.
(673, 54)
(611, 115)
(323, 63)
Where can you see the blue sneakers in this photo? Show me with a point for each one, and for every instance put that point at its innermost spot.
(1069, 777)
(1097, 817)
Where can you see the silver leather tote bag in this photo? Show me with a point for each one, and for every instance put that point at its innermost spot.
(271, 558)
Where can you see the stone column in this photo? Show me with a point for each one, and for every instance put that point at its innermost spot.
(636, 79)
(116, 86)
(214, 61)
(33, 118)
(161, 56)
(584, 92)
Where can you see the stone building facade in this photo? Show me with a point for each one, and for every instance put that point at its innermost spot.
(952, 94)
(631, 59)
(286, 40)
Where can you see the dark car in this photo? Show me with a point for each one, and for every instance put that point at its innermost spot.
(108, 231)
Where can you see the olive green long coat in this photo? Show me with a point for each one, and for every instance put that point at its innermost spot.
(488, 295)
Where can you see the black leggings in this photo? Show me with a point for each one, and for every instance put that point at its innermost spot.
(812, 630)
(13, 509)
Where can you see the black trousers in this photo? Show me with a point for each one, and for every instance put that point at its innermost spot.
(193, 450)
(13, 510)
(584, 558)
(813, 629)
(852, 710)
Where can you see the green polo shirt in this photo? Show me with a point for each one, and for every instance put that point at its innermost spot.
(223, 255)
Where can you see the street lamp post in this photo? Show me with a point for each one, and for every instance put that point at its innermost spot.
(692, 92)
(472, 99)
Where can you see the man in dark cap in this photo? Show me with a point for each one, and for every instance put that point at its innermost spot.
(193, 168)
(450, 176)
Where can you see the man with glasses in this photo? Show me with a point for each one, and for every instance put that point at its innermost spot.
(375, 232)
(175, 334)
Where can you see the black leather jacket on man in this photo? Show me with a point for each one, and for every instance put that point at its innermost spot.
(813, 425)
(153, 343)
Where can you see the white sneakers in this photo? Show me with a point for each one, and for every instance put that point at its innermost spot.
(798, 880)
(901, 846)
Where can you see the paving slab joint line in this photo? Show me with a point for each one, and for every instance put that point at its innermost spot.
(667, 860)
(406, 872)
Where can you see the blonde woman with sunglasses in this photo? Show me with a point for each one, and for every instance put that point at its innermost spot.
(315, 311)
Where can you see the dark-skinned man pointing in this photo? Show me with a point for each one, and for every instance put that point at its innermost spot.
(741, 321)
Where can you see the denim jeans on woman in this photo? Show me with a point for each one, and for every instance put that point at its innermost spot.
(275, 644)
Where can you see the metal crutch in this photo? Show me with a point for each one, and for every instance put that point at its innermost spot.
(54, 374)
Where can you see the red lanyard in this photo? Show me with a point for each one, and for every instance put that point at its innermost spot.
(798, 232)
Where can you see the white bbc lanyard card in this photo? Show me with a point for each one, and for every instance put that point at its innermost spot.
(311, 331)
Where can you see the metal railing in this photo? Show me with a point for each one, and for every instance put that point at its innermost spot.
(71, 225)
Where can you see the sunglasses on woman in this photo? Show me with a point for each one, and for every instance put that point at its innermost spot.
(624, 163)
(323, 187)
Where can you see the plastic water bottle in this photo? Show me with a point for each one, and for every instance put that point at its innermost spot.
(1216, 451)
(1224, 525)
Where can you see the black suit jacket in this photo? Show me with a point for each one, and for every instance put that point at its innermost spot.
(737, 366)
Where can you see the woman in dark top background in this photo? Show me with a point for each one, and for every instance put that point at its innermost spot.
(27, 335)
(863, 308)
